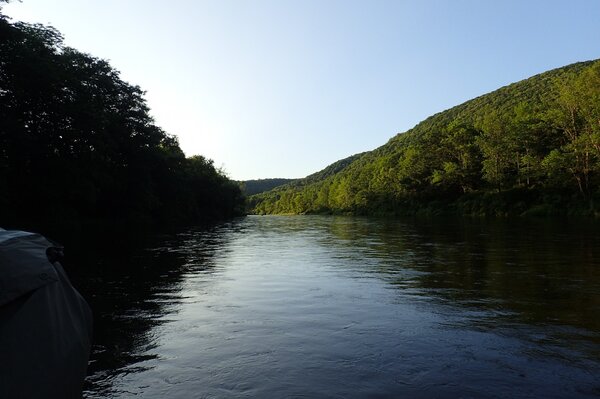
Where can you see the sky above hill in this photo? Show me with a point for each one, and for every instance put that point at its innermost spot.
(282, 88)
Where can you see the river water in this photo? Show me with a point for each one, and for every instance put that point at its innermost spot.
(343, 307)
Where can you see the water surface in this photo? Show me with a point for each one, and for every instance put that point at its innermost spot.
(342, 307)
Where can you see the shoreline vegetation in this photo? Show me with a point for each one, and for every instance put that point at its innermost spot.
(531, 148)
(80, 155)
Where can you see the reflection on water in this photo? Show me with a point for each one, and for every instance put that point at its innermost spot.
(134, 292)
(315, 306)
(539, 271)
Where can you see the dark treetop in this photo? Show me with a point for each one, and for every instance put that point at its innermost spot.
(79, 151)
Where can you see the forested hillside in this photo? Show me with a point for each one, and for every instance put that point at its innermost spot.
(79, 151)
(532, 147)
(298, 184)
(251, 187)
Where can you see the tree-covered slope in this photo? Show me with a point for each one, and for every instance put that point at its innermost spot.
(257, 186)
(297, 184)
(532, 146)
(329, 170)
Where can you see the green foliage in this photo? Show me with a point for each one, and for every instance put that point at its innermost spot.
(251, 187)
(533, 145)
(79, 150)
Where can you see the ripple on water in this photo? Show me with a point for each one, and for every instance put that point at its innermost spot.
(354, 307)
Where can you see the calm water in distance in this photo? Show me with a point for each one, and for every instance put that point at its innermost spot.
(343, 307)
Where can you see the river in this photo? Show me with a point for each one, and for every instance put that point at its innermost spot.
(344, 307)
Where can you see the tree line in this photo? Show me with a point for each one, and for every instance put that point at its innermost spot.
(79, 151)
(532, 147)
(256, 186)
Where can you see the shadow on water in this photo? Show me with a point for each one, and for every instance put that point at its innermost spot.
(135, 287)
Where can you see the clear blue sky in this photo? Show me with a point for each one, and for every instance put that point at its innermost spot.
(283, 88)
